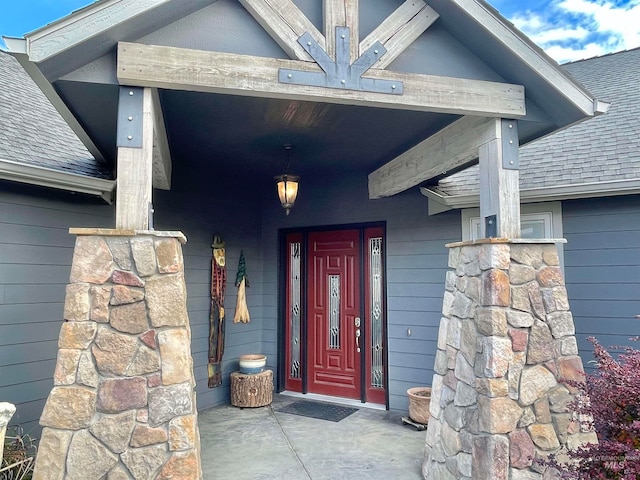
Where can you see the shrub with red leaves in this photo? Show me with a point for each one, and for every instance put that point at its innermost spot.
(613, 410)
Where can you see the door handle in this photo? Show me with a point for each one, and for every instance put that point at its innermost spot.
(357, 324)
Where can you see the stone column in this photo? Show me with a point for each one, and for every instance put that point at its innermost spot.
(506, 351)
(123, 404)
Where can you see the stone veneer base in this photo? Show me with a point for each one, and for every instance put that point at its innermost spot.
(506, 355)
(123, 405)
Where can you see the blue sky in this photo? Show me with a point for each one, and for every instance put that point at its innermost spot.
(566, 29)
(576, 29)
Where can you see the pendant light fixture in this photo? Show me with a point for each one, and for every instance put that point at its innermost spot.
(287, 184)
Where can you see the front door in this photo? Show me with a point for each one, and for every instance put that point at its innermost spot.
(334, 322)
(333, 313)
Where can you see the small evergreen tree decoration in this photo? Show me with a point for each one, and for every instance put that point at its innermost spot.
(242, 281)
(613, 411)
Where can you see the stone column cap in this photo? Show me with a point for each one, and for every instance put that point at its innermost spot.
(115, 232)
(485, 241)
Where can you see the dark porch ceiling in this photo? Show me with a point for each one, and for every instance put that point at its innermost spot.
(246, 135)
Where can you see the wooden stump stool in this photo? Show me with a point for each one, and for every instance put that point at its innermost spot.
(251, 390)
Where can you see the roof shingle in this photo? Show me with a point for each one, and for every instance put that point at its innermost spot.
(33, 133)
(600, 149)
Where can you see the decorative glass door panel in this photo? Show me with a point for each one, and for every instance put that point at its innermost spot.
(375, 378)
(294, 352)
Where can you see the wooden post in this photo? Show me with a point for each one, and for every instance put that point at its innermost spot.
(341, 13)
(134, 183)
(499, 183)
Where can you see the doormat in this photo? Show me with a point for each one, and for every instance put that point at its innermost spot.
(321, 411)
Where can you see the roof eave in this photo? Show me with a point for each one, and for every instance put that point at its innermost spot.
(47, 177)
(80, 25)
(440, 203)
(16, 45)
(95, 21)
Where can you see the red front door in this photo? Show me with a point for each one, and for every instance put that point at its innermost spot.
(333, 314)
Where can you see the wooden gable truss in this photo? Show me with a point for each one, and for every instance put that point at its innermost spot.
(481, 104)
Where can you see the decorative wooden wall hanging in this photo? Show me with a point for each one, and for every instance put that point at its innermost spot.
(242, 281)
(216, 316)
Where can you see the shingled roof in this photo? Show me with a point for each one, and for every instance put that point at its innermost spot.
(601, 151)
(32, 132)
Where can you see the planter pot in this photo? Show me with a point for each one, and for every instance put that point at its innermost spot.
(253, 363)
(419, 400)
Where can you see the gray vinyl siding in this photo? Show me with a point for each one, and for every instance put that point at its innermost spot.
(416, 269)
(35, 260)
(36, 251)
(200, 209)
(602, 269)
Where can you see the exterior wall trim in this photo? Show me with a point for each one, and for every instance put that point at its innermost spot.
(439, 203)
(46, 177)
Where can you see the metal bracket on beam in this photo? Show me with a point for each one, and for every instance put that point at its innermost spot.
(490, 226)
(341, 73)
(510, 145)
(151, 212)
(130, 107)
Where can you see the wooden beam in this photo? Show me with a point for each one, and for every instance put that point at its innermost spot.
(341, 13)
(499, 189)
(133, 194)
(215, 72)
(450, 148)
(400, 29)
(161, 154)
(284, 21)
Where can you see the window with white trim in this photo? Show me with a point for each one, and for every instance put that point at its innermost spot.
(532, 225)
(537, 221)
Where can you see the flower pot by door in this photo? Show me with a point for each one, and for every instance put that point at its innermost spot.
(419, 400)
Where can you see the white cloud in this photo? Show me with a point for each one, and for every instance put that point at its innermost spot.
(576, 29)
(622, 22)
(566, 54)
(554, 35)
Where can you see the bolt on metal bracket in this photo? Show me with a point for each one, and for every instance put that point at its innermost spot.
(490, 226)
(130, 106)
(510, 145)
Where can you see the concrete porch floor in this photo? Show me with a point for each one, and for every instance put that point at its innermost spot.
(262, 443)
